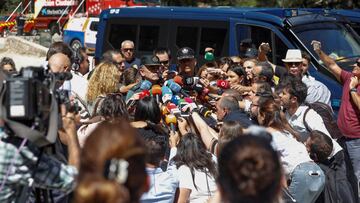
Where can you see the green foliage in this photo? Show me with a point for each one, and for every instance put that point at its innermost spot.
(7, 6)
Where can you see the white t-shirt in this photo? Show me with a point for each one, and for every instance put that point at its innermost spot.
(292, 152)
(205, 184)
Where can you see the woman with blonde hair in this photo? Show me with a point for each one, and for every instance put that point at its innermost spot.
(104, 80)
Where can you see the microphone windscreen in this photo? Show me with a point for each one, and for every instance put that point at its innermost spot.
(178, 80)
(170, 119)
(144, 93)
(156, 90)
(188, 100)
(175, 99)
(165, 91)
(145, 85)
(174, 87)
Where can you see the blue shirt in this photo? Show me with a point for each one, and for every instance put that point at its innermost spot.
(135, 61)
(163, 184)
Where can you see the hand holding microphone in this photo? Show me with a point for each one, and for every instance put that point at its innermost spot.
(170, 120)
(223, 84)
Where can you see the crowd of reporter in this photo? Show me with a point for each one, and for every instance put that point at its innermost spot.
(163, 128)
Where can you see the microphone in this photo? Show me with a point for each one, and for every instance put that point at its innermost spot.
(171, 120)
(190, 81)
(175, 99)
(145, 85)
(164, 110)
(179, 80)
(156, 90)
(223, 84)
(173, 108)
(176, 88)
(144, 93)
(166, 94)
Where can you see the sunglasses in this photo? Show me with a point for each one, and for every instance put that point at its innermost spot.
(130, 49)
(164, 62)
(248, 67)
(293, 63)
(153, 68)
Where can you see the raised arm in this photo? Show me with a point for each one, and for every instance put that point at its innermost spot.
(355, 96)
(330, 63)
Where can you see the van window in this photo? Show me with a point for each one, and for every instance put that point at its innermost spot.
(119, 33)
(212, 37)
(149, 37)
(187, 37)
(256, 35)
(94, 26)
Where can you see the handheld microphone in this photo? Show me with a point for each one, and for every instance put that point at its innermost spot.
(173, 108)
(164, 110)
(144, 93)
(145, 85)
(190, 81)
(156, 90)
(223, 84)
(176, 88)
(171, 120)
(179, 80)
(175, 99)
(166, 94)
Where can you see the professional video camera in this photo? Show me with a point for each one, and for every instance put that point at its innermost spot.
(30, 104)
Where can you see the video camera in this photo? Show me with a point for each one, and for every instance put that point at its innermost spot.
(30, 104)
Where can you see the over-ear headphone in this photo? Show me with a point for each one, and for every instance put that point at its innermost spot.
(76, 60)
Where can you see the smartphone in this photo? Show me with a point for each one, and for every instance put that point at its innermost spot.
(184, 109)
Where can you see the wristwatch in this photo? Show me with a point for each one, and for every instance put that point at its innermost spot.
(353, 90)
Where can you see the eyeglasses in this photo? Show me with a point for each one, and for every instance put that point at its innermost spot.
(293, 63)
(153, 68)
(129, 49)
(164, 62)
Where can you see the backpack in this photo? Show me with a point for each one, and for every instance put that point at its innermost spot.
(327, 115)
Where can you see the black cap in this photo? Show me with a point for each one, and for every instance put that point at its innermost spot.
(185, 53)
(150, 60)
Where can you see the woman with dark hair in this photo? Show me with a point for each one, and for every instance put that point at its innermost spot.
(236, 76)
(112, 107)
(112, 167)
(147, 109)
(196, 170)
(249, 171)
(306, 178)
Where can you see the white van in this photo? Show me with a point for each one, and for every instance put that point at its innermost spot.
(81, 32)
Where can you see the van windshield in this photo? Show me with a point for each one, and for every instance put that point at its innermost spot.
(336, 40)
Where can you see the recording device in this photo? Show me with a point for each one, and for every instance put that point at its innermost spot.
(171, 120)
(178, 80)
(30, 104)
(176, 88)
(166, 94)
(156, 91)
(76, 60)
(223, 84)
(190, 81)
(145, 85)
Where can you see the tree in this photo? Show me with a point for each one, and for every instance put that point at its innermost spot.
(6, 7)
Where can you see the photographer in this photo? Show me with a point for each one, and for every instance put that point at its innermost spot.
(25, 162)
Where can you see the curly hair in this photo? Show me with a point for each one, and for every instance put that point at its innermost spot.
(104, 80)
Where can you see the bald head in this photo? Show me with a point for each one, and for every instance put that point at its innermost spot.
(59, 63)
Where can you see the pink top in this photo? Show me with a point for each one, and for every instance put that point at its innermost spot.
(349, 115)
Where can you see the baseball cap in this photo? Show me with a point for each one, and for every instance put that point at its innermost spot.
(185, 53)
(150, 60)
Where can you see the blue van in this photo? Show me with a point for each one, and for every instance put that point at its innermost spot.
(225, 28)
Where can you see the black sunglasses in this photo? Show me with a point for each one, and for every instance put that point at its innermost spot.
(164, 62)
(293, 63)
(126, 50)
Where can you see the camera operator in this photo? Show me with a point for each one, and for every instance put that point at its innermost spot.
(25, 165)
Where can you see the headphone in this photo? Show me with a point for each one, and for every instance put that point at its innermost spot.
(76, 59)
